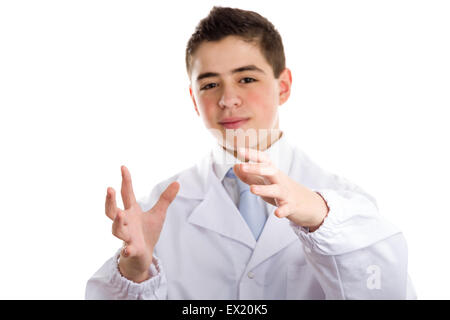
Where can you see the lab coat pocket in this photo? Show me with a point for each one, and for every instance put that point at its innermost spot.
(301, 283)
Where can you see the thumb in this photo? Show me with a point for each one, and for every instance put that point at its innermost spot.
(248, 178)
(244, 177)
(166, 198)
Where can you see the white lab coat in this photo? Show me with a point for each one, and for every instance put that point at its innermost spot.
(206, 250)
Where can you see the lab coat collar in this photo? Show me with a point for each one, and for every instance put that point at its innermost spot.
(218, 213)
(194, 181)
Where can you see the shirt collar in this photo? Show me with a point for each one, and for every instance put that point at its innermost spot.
(280, 153)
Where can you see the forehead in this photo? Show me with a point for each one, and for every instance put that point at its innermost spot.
(227, 54)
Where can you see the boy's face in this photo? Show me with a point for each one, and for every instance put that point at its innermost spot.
(233, 87)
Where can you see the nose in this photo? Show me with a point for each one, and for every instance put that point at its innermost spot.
(229, 98)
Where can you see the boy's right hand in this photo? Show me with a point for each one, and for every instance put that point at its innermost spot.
(139, 230)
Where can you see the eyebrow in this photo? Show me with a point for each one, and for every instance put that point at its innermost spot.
(237, 70)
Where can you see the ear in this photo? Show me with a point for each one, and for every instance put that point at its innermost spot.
(284, 84)
(193, 100)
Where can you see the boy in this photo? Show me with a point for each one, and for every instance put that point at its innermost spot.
(257, 219)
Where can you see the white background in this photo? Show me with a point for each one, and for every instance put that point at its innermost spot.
(86, 86)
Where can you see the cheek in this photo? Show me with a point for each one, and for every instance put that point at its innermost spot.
(263, 103)
(256, 98)
(207, 108)
(262, 95)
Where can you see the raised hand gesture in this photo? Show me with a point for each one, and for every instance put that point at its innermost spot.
(138, 229)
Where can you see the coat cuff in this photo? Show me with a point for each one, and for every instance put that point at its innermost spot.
(353, 222)
(133, 289)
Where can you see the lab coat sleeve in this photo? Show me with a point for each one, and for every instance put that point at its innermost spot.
(108, 284)
(356, 253)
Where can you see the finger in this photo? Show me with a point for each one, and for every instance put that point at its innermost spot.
(270, 191)
(124, 251)
(128, 197)
(128, 250)
(166, 198)
(263, 169)
(282, 211)
(246, 177)
(119, 227)
(110, 203)
(254, 155)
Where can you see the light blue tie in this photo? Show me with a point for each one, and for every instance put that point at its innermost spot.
(250, 205)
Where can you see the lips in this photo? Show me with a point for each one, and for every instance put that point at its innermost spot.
(233, 122)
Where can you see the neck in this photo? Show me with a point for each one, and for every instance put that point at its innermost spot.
(270, 140)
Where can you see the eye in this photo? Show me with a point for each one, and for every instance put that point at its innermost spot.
(247, 80)
(209, 86)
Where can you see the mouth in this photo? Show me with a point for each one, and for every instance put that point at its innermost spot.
(233, 123)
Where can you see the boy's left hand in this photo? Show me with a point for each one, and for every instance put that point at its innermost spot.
(299, 204)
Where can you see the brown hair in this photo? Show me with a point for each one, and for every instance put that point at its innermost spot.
(250, 26)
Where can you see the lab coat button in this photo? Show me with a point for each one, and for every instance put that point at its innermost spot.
(251, 275)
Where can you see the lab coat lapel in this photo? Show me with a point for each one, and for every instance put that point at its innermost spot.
(276, 235)
(217, 212)
(277, 232)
